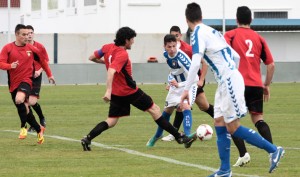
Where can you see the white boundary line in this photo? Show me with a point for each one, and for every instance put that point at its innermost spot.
(137, 153)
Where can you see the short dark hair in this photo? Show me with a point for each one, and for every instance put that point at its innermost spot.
(18, 27)
(243, 15)
(123, 34)
(30, 27)
(175, 28)
(169, 38)
(193, 12)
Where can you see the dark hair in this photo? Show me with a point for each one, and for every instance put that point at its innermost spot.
(18, 27)
(193, 12)
(123, 34)
(30, 27)
(243, 15)
(175, 28)
(169, 38)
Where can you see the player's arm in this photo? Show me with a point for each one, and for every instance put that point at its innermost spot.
(203, 73)
(110, 76)
(193, 73)
(41, 58)
(4, 65)
(268, 80)
(97, 57)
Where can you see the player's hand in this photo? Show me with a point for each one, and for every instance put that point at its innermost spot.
(37, 74)
(266, 93)
(200, 83)
(174, 83)
(51, 80)
(106, 98)
(14, 64)
(168, 87)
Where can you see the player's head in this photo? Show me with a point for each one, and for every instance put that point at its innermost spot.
(30, 33)
(124, 37)
(243, 15)
(193, 12)
(175, 30)
(21, 34)
(170, 44)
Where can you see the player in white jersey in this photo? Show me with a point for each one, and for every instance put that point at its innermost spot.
(179, 64)
(229, 105)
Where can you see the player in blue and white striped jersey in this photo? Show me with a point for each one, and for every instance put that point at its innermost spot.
(229, 104)
(179, 64)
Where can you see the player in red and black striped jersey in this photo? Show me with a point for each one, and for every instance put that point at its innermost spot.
(18, 59)
(252, 49)
(37, 78)
(121, 89)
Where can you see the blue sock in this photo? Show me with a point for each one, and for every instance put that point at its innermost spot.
(223, 143)
(187, 121)
(252, 137)
(159, 130)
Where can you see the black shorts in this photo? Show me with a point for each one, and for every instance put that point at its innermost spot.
(120, 105)
(23, 87)
(36, 86)
(200, 89)
(254, 99)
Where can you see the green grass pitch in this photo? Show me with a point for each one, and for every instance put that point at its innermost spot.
(72, 111)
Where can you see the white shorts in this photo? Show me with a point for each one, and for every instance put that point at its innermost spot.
(229, 98)
(174, 96)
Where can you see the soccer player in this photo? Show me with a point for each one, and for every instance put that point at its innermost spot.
(229, 104)
(179, 64)
(18, 59)
(37, 79)
(252, 49)
(121, 89)
(201, 99)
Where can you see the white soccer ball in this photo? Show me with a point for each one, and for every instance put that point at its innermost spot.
(204, 132)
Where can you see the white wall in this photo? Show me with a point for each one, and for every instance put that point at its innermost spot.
(145, 16)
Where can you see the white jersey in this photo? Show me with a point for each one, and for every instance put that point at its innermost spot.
(179, 67)
(211, 45)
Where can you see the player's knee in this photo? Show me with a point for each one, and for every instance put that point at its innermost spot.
(32, 102)
(19, 100)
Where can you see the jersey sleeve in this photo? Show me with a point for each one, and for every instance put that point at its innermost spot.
(266, 55)
(99, 53)
(4, 58)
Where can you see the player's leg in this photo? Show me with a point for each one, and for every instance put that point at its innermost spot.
(119, 107)
(33, 99)
(203, 103)
(159, 131)
(144, 102)
(223, 137)
(235, 95)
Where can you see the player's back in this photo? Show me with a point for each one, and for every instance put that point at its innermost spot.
(252, 49)
(216, 52)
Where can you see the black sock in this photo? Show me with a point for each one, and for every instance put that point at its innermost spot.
(101, 127)
(264, 130)
(164, 124)
(240, 144)
(22, 113)
(37, 108)
(178, 120)
(210, 111)
(32, 122)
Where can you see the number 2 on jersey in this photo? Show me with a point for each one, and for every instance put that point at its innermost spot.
(250, 45)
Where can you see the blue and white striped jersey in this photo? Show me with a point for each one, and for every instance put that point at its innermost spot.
(179, 66)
